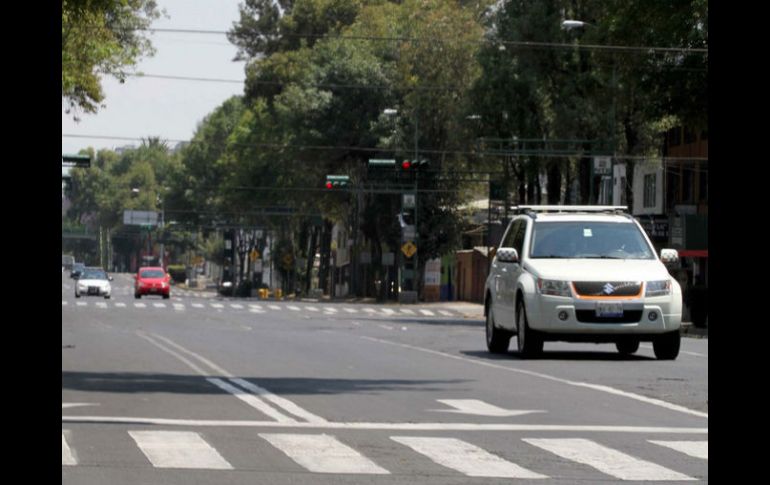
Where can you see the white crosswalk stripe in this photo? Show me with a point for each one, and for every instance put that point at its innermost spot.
(274, 307)
(197, 305)
(350, 310)
(120, 305)
(140, 305)
(236, 306)
(323, 454)
(446, 313)
(178, 306)
(465, 457)
(159, 305)
(293, 308)
(67, 457)
(217, 305)
(407, 311)
(697, 449)
(427, 312)
(607, 460)
(178, 449)
(64, 303)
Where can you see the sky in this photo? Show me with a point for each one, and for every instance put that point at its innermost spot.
(167, 108)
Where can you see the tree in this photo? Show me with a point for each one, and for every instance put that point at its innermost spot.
(101, 37)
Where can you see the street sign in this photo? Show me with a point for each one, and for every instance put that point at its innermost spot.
(254, 255)
(140, 218)
(382, 162)
(409, 249)
(602, 165)
(408, 201)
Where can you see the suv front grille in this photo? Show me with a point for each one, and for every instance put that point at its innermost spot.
(608, 288)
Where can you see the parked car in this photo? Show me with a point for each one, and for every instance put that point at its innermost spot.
(581, 274)
(93, 282)
(152, 280)
(66, 262)
(77, 268)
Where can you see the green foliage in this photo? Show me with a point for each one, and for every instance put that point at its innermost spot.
(101, 37)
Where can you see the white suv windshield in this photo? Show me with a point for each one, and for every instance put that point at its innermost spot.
(589, 240)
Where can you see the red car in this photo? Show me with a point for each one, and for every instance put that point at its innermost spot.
(152, 280)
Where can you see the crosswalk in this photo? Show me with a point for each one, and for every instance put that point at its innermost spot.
(264, 308)
(329, 454)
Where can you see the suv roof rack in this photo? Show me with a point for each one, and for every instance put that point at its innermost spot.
(533, 210)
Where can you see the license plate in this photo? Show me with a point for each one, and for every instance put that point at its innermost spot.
(609, 309)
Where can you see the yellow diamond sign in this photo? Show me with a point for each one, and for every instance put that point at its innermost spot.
(409, 249)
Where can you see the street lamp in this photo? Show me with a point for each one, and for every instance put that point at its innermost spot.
(571, 24)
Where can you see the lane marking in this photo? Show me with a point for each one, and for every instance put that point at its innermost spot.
(595, 387)
(386, 426)
(140, 305)
(293, 308)
(178, 306)
(197, 305)
(217, 305)
(279, 401)
(254, 399)
(465, 458)
(446, 313)
(408, 311)
(81, 303)
(251, 400)
(388, 311)
(370, 310)
(274, 307)
(427, 312)
(350, 310)
(64, 303)
(481, 408)
(330, 310)
(311, 308)
(67, 457)
(323, 454)
(178, 449)
(236, 306)
(606, 460)
(697, 449)
(159, 305)
(120, 305)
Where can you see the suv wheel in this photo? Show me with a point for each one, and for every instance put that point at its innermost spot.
(497, 339)
(627, 347)
(529, 342)
(666, 346)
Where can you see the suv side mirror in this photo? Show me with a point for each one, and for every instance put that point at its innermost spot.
(669, 256)
(507, 255)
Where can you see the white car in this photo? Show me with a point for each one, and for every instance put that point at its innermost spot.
(93, 281)
(581, 274)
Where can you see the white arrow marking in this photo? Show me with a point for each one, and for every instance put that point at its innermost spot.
(474, 406)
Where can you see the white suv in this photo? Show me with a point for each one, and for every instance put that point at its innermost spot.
(581, 274)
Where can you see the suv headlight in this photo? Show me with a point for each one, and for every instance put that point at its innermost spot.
(658, 288)
(553, 287)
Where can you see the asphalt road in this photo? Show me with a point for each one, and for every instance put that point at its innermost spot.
(204, 390)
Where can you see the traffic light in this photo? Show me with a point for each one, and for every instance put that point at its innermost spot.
(336, 181)
(417, 164)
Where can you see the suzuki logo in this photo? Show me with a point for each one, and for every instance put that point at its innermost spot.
(608, 289)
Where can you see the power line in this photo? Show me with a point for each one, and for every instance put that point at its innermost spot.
(511, 43)
(576, 154)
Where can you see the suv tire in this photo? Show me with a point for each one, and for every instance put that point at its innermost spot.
(498, 339)
(666, 346)
(530, 344)
(627, 347)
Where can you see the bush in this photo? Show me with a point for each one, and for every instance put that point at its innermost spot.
(178, 272)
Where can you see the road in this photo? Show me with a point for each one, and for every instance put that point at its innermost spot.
(202, 390)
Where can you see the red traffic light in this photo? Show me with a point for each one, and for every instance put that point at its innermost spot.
(329, 185)
(406, 164)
